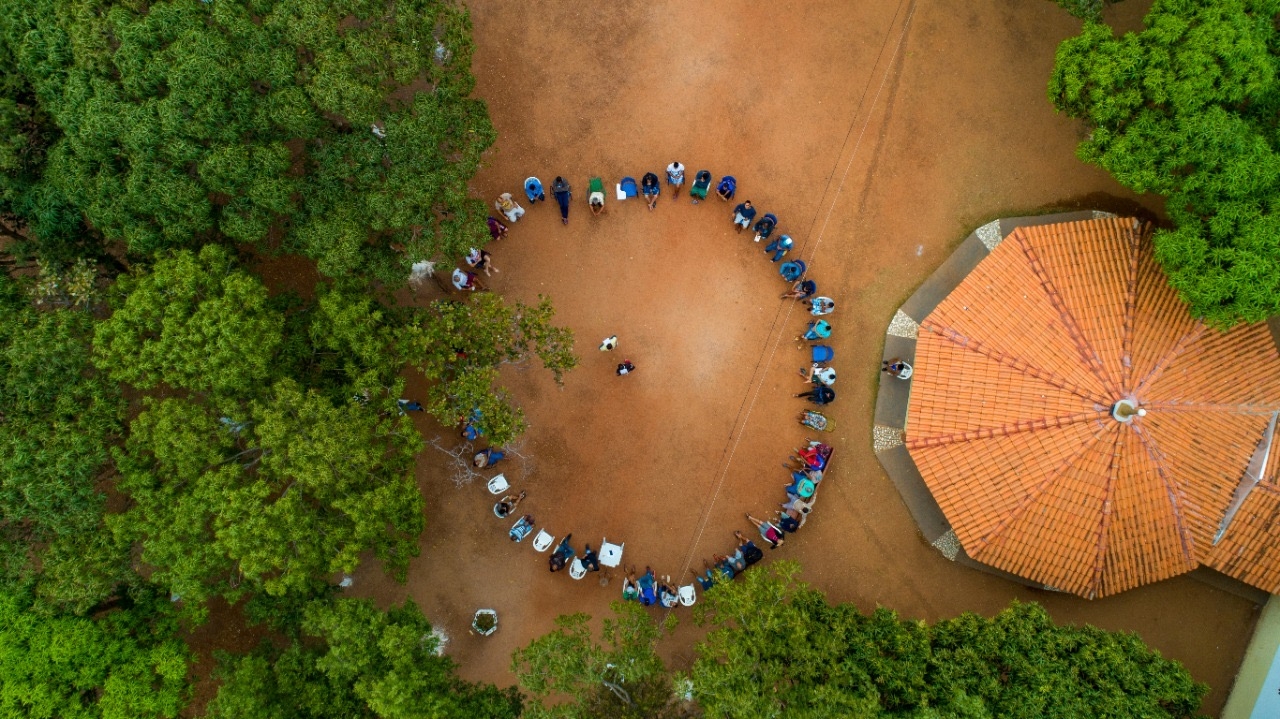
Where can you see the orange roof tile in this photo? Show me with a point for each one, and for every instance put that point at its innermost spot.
(1015, 376)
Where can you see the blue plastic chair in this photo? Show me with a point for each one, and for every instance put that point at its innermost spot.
(823, 353)
(533, 190)
(629, 187)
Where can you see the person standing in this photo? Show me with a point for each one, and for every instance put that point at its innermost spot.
(626, 368)
(533, 190)
(609, 343)
(563, 193)
(675, 177)
(743, 214)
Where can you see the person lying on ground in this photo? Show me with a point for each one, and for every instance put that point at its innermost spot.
(819, 395)
(770, 533)
(802, 290)
(508, 504)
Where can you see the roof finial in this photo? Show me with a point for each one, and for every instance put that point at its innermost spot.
(1125, 410)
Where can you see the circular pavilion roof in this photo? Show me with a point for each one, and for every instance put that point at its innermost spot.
(1013, 418)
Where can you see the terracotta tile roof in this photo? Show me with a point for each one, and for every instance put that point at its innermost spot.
(1009, 421)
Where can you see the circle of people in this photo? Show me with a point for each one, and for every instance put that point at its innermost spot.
(805, 467)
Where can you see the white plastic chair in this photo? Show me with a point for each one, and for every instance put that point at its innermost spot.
(688, 595)
(576, 569)
(498, 484)
(611, 554)
(543, 541)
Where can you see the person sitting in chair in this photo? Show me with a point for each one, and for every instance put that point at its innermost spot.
(802, 290)
(650, 188)
(508, 504)
(630, 590)
(667, 595)
(648, 595)
(522, 528)
(562, 554)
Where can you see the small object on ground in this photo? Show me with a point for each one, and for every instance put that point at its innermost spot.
(410, 406)
(485, 622)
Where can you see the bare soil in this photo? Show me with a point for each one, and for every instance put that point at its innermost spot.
(881, 133)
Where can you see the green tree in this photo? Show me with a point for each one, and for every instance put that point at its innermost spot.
(59, 418)
(35, 217)
(192, 322)
(460, 346)
(179, 122)
(352, 660)
(776, 647)
(277, 495)
(125, 664)
(622, 679)
(1087, 10)
(1188, 108)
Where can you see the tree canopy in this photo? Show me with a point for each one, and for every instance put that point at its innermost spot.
(169, 124)
(278, 498)
(777, 647)
(1189, 108)
(126, 664)
(350, 659)
(622, 679)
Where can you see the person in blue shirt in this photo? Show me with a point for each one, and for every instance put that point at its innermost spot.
(743, 214)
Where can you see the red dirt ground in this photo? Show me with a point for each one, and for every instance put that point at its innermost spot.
(938, 135)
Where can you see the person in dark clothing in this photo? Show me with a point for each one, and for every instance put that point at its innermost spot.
(819, 395)
(563, 193)
(590, 559)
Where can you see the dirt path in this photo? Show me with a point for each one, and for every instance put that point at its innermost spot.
(668, 459)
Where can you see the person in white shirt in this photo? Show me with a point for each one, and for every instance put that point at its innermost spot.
(675, 177)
